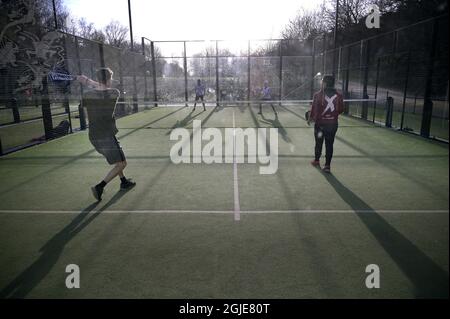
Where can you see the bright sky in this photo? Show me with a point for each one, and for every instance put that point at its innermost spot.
(194, 19)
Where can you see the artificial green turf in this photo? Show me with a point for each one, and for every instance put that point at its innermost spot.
(276, 254)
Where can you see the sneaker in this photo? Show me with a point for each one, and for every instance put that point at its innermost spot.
(326, 169)
(128, 184)
(315, 163)
(97, 191)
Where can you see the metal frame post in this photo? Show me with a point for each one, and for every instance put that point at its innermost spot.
(339, 64)
(66, 102)
(217, 74)
(135, 98)
(46, 109)
(335, 35)
(186, 95)
(80, 108)
(347, 79)
(428, 103)
(389, 110)
(280, 91)
(155, 92)
(365, 80)
(133, 64)
(15, 109)
(121, 97)
(313, 66)
(248, 73)
(55, 18)
(145, 71)
(324, 54)
(376, 90)
(405, 89)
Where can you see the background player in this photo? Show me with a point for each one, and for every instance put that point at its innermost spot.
(199, 93)
(266, 95)
(327, 104)
(100, 104)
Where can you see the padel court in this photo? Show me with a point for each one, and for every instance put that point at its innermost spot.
(224, 230)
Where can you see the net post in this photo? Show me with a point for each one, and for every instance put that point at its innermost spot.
(15, 110)
(186, 95)
(46, 110)
(217, 74)
(415, 102)
(428, 103)
(82, 116)
(389, 110)
(155, 93)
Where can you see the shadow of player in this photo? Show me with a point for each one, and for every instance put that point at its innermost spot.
(52, 250)
(428, 279)
(186, 121)
(277, 124)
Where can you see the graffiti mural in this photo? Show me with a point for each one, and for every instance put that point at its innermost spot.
(27, 50)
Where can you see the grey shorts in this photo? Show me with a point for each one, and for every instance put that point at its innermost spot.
(110, 148)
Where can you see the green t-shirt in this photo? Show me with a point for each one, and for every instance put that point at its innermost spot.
(100, 106)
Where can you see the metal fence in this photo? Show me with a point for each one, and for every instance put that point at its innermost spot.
(406, 69)
(33, 107)
(409, 66)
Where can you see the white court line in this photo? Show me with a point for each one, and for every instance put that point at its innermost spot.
(305, 211)
(237, 206)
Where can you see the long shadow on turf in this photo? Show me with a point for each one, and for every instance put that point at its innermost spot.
(277, 124)
(184, 122)
(52, 250)
(399, 169)
(429, 280)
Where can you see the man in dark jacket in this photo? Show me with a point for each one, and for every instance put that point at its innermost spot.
(327, 104)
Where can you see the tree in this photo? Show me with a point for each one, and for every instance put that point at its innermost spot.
(306, 25)
(44, 13)
(116, 34)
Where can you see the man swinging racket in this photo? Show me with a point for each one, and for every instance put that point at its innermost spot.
(327, 104)
(100, 104)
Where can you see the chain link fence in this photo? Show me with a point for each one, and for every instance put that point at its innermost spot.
(405, 71)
